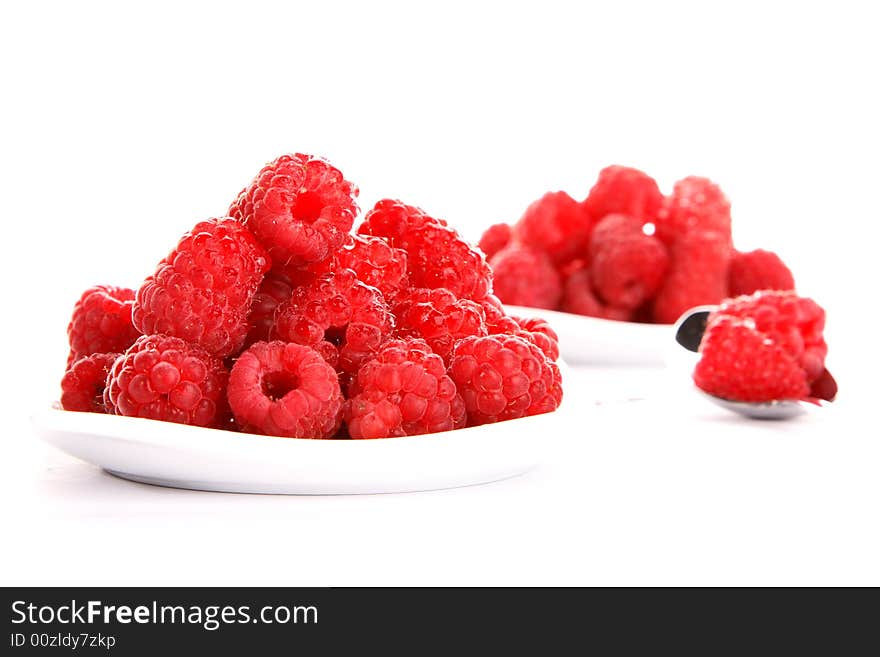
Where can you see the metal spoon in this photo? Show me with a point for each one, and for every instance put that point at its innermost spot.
(689, 332)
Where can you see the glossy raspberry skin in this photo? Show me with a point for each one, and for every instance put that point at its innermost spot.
(495, 238)
(697, 274)
(275, 289)
(579, 298)
(695, 205)
(203, 290)
(285, 389)
(437, 256)
(504, 377)
(300, 207)
(740, 363)
(555, 224)
(626, 265)
(439, 318)
(751, 271)
(524, 276)
(403, 391)
(82, 388)
(165, 378)
(624, 190)
(101, 322)
(339, 308)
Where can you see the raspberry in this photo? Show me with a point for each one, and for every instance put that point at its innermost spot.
(284, 389)
(165, 378)
(697, 274)
(535, 330)
(338, 308)
(578, 298)
(525, 277)
(403, 391)
(439, 318)
(504, 377)
(627, 266)
(741, 363)
(495, 238)
(757, 270)
(696, 204)
(437, 256)
(82, 388)
(275, 289)
(795, 323)
(624, 190)
(300, 207)
(555, 224)
(203, 290)
(101, 322)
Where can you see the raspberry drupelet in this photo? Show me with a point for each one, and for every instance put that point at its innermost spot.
(82, 388)
(101, 322)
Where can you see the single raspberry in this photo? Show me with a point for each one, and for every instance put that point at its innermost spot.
(437, 257)
(555, 224)
(439, 318)
(739, 362)
(627, 266)
(524, 276)
(338, 308)
(82, 388)
(794, 323)
(403, 391)
(624, 190)
(101, 322)
(579, 298)
(203, 290)
(300, 207)
(165, 378)
(757, 270)
(697, 274)
(285, 389)
(504, 377)
(495, 238)
(275, 289)
(696, 204)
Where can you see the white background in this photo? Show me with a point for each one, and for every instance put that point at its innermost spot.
(122, 127)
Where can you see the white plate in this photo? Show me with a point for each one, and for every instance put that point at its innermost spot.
(605, 341)
(168, 454)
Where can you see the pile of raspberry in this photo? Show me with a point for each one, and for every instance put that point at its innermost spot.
(279, 319)
(627, 252)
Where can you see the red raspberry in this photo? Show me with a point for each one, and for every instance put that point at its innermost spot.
(203, 290)
(697, 274)
(794, 323)
(495, 238)
(284, 389)
(165, 378)
(403, 391)
(627, 266)
(757, 270)
(437, 256)
(341, 309)
(504, 377)
(300, 207)
(101, 322)
(525, 277)
(696, 204)
(741, 363)
(624, 190)
(535, 330)
(578, 298)
(439, 318)
(555, 224)
(82, 388)
(275, 289)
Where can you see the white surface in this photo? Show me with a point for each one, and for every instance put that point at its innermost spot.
(118, 118)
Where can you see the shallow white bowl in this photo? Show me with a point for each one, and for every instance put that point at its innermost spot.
(604, 341)
(168, 454)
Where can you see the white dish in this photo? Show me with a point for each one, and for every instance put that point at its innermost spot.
(179, 456)
(604, 341)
